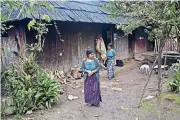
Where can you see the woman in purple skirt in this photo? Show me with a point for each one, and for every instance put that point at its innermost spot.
(91, 67)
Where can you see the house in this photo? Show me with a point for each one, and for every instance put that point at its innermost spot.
(78, 22)
(138, 42)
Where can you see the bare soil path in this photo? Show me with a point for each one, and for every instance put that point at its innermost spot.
(116, 105)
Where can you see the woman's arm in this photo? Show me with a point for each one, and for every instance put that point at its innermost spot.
(83, 68)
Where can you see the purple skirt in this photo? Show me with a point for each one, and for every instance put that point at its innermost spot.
(92, 94)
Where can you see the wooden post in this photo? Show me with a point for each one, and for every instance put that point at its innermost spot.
(178, 42)
(155, 47)
(112, 37)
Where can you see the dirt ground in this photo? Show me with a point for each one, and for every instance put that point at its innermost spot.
(116, 105)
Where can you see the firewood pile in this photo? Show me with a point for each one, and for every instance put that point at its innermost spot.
(62, 77)
(76, 72)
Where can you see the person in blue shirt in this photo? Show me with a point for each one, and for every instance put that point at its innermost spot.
(111, 61)
(91, 67)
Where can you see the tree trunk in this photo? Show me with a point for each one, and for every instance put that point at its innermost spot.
(159, 85)
(147, 82)
(159, 78)
(178, 42)
(178, 37)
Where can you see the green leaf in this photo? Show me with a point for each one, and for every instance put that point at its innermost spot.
(32, 5)
(47, 18)
(37, 97)
(31, 23)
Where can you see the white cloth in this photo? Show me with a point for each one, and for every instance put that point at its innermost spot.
(100, 46)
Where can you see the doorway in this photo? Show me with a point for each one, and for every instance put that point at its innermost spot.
(106, 35)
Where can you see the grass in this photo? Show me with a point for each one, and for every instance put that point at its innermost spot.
(172, 96)
(148, 106)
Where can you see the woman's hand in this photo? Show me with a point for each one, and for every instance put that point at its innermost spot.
(89, 73)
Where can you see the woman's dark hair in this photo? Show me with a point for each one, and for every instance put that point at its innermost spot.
(110, 45)
(89, 51)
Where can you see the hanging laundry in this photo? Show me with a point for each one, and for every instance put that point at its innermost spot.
(100, 46)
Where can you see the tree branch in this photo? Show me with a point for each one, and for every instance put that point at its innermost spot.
(117, 6)
(147, 82)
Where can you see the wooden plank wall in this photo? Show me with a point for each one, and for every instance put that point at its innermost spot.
(77, 37)
(121, 46)
(13, 42)
(171, 45)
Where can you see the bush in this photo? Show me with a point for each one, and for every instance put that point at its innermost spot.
(174, 84)
(30, 86)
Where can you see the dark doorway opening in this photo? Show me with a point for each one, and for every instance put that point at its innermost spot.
(106, 35)
(130, 42)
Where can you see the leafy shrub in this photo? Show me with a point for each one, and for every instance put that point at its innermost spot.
(30, 86)
(174, 84)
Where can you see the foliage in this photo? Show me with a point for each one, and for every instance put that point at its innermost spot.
(30, 86)
(174, 84)
(18, 117)
(28, 7)
(159, 18)
(26, 82)
(23, 7)
(41, 28)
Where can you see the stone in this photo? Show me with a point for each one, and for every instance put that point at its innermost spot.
(75, 97)
(41, 112)
(78, 86)
(29, 112)
(117, 80)
(9, 110)
(104, 86)
(82, 91)
(71, 97)
(61, 92)
(149, 97)
(117, 89)
(124, 108)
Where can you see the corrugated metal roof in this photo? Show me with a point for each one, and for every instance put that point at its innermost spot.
(74, 11)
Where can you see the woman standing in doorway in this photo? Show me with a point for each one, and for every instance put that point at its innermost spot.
(111, 61)
(91, 67)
